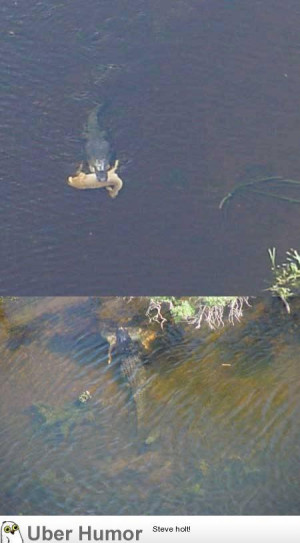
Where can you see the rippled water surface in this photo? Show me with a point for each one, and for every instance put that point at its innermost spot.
(219, 435)
(201, 92)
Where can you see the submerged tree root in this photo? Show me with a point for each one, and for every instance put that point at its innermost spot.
(215, 314)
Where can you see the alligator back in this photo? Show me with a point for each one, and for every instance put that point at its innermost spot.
(97, 147)
(134, 372)
(92, 128)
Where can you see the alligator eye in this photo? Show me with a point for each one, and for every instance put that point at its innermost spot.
(6, 529)
(15, 527)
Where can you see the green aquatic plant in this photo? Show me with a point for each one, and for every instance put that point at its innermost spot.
(214, 310)
(286, 276)
(254, 187)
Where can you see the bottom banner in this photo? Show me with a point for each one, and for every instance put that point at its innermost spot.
(145, 529)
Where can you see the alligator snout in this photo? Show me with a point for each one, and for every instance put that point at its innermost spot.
(101, 175)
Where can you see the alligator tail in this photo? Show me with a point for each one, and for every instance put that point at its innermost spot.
(93, 125)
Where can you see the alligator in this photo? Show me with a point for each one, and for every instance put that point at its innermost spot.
(100, 160)
(97, 148)
(133, 371)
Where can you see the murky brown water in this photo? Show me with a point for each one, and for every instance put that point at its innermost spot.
(200, 91)
(222, 439)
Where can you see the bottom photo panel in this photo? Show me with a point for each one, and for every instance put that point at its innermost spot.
(150, 406)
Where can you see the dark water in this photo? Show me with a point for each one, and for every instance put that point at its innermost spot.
(222, 410)
(200, 92)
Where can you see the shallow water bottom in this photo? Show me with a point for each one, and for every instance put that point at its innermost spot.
(218, 433)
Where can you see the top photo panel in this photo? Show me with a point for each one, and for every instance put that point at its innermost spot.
(185, 115)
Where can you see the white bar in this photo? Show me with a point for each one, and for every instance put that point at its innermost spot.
(147, 529)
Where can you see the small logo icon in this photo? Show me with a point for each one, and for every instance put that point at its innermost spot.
(10, 532)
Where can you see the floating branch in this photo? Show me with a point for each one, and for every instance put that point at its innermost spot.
(251, 187)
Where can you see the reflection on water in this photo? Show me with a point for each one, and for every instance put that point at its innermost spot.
(219, 435)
